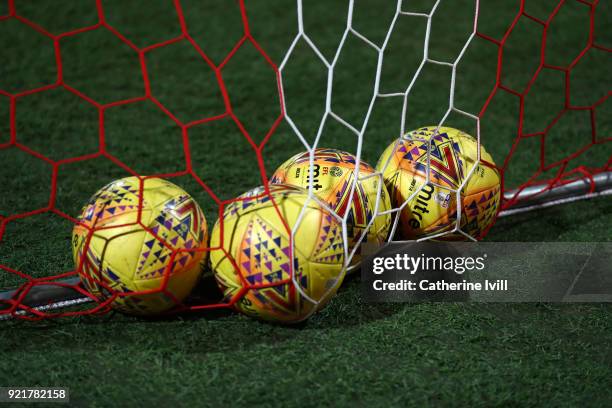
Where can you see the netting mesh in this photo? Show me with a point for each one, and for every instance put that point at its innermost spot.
(556, 171)
(552, 162)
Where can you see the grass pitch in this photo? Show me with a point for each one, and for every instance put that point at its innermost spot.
(352, 352)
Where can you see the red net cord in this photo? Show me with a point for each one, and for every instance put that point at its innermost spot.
(563, 175)
(15, 305)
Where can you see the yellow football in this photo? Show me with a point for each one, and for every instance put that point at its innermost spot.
(264, 270)
(141, 257)
(432, 209)
(332, 181)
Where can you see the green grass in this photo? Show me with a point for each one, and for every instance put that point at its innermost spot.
(352, 353)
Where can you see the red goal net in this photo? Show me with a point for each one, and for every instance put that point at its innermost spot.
(536, 94)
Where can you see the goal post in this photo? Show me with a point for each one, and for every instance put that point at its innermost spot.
(542, 196)
(355, 75)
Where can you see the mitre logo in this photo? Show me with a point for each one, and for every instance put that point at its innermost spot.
(420, 208)
(315, 177)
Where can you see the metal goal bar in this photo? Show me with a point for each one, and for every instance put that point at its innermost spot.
(539, 196)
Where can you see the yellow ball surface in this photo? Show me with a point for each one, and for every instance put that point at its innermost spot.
(332, 182)
(433, 210)
(128, 255)
(253, 261)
